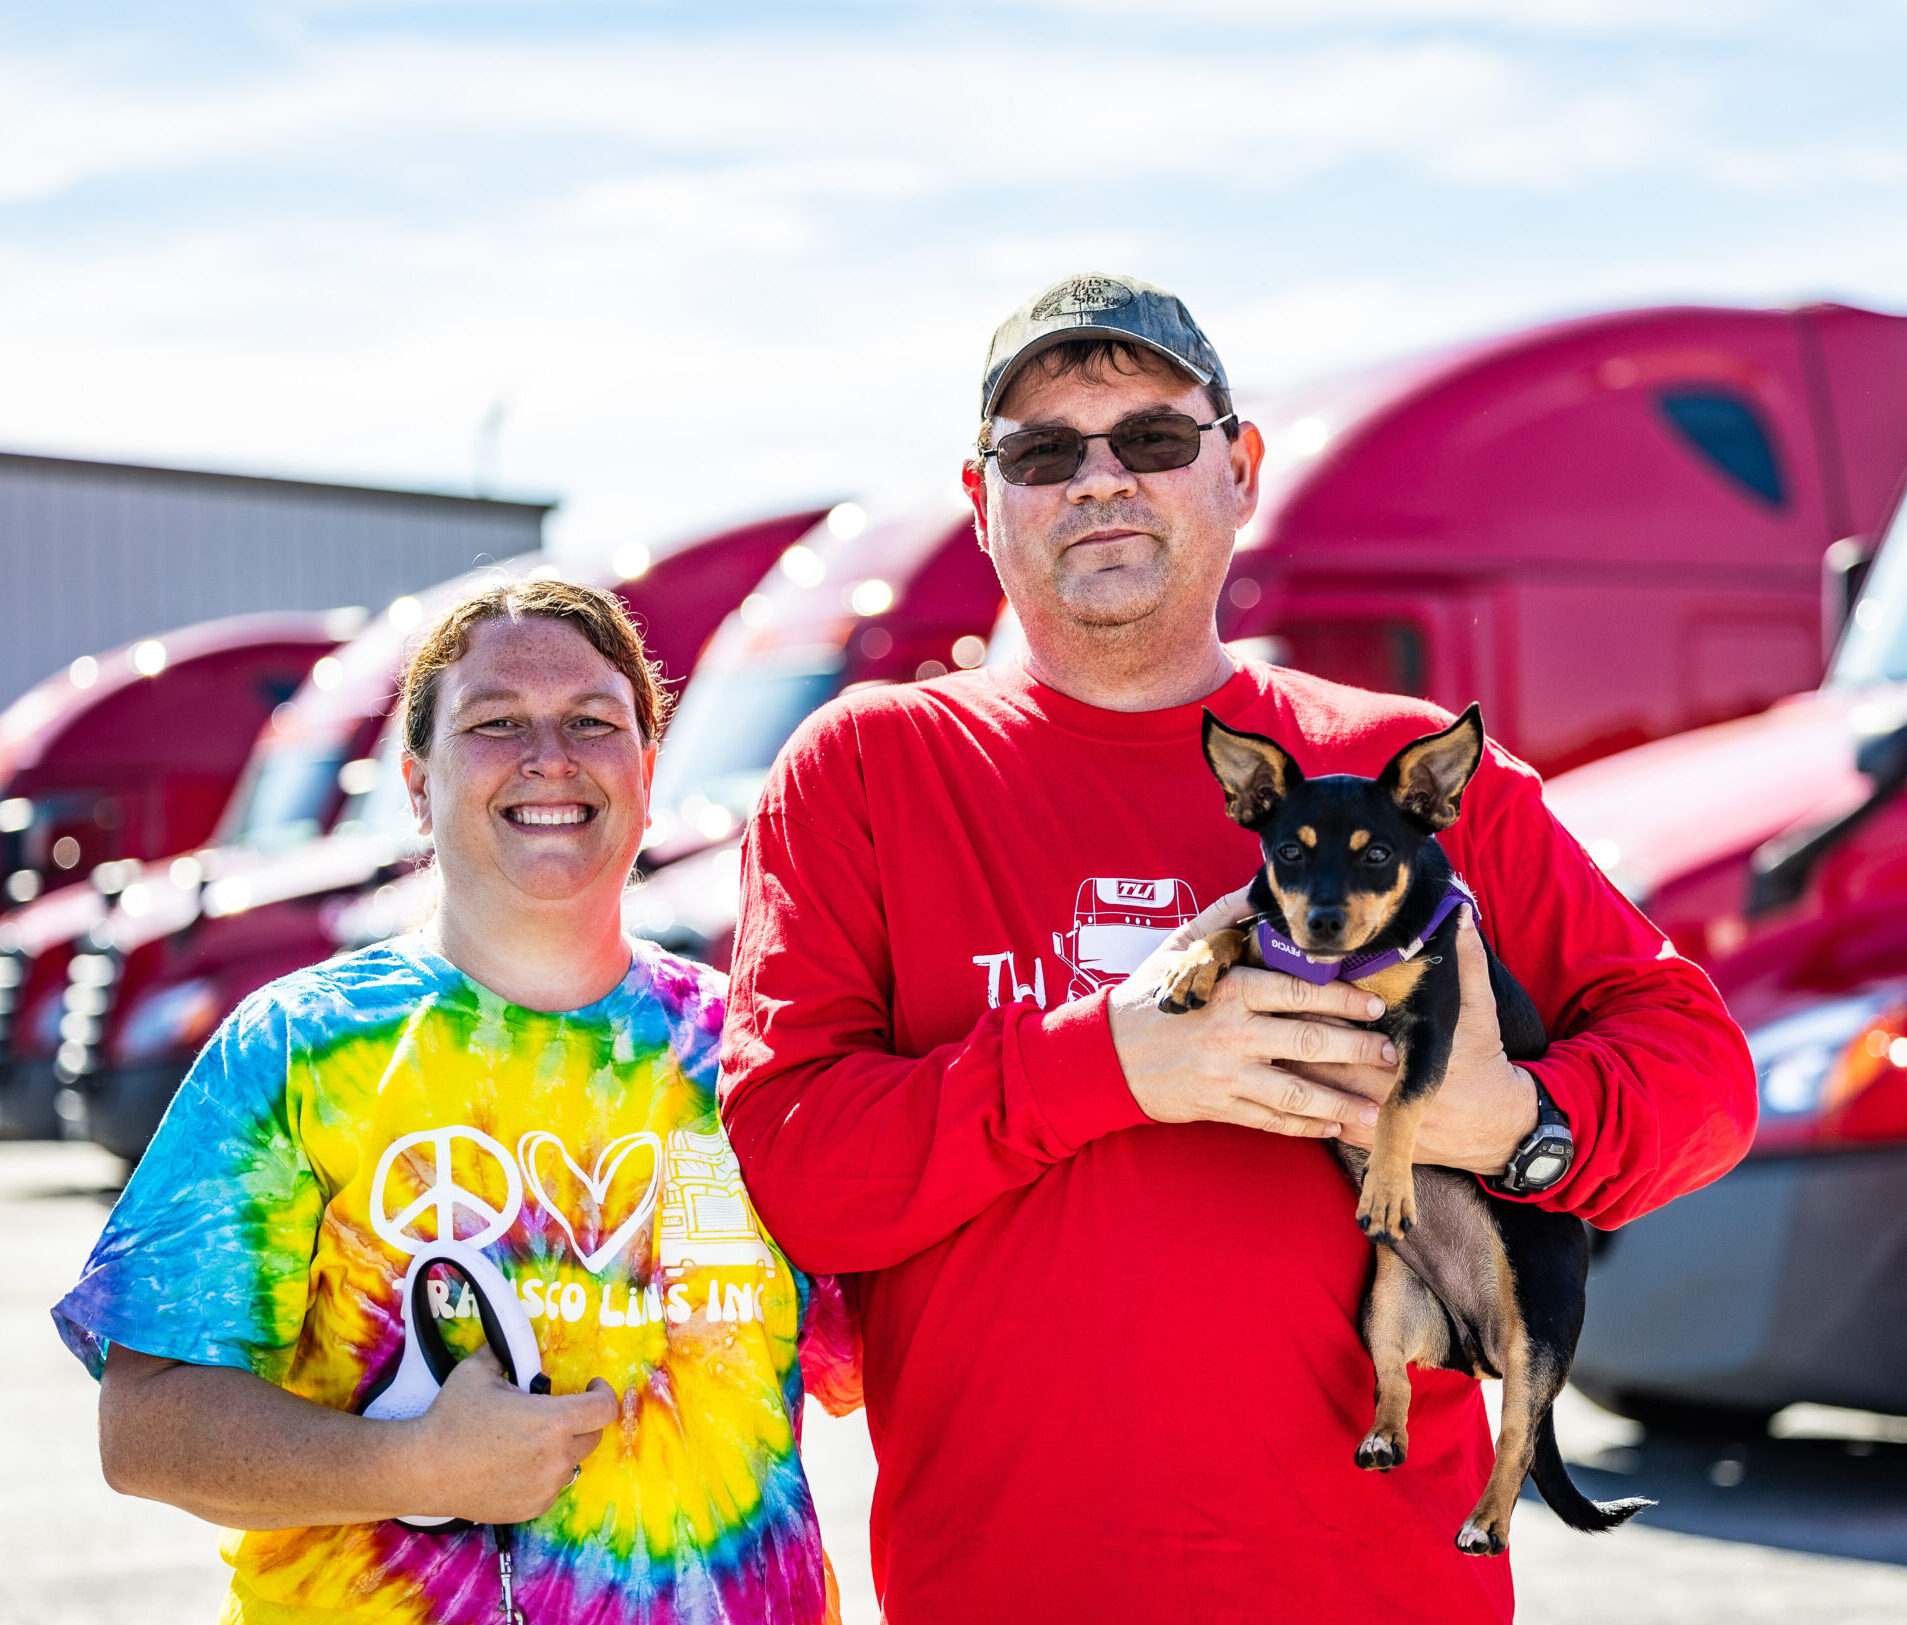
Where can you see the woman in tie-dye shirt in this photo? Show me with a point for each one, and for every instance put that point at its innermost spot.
(520, 1078)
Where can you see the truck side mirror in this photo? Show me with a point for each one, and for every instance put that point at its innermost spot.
(1779, 871)
(1844, 568)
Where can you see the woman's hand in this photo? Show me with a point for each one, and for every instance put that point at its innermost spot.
(489, 1452)
(236, 1450)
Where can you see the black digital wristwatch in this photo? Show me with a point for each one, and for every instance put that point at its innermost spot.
(1545, 1154)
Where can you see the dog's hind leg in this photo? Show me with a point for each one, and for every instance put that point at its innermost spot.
(1404, 1325)
(1531, 1382)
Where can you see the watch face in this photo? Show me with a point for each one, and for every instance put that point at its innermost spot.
(1545, 1169)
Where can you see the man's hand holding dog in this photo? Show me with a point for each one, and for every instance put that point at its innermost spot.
(1487, 1104)
(1267, 1052)
(1237, 1059)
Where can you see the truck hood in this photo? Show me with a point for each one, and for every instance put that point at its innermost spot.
(232, 880)
(1665, 810)
(59, 916)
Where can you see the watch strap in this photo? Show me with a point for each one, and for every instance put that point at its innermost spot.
(1550, 1139)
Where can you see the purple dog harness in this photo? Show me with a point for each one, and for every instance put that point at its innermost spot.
(1281, 953)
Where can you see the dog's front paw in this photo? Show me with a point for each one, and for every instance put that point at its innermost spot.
(1189, 983)
(1382, 1451)
(1486, 1537)
(1387, 1211)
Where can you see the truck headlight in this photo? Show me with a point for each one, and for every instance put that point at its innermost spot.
(1819, 1069)
(168, 1021)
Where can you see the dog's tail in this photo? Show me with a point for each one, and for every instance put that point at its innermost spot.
(1565, 1500)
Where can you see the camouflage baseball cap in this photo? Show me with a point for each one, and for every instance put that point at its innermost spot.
(1096, 307)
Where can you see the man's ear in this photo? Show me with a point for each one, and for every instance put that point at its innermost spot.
(1427, 777)
(1257, 772)
(1248, 458)
(973, 479)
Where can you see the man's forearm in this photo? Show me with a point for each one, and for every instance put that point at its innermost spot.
(230, 1447)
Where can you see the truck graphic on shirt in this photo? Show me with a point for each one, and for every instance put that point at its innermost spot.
(1116, 923)
(704, 1217)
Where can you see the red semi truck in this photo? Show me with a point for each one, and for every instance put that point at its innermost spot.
(900, 600)
(317, 814)
(1606, 530)
(849, 603)
(301, 766)
(132, 754)
(1774, 851)
(121, 758)
(852, 602)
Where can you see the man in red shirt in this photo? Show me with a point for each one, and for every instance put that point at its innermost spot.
(1107, 1282)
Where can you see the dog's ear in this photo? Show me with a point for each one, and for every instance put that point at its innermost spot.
(1256, 772)
(1427, 777)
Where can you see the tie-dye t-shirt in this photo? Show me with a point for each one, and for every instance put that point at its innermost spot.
(347, 1115)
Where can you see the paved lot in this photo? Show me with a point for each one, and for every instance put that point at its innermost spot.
(73, 1553)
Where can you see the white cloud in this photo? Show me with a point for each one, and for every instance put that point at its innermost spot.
(715, 272)
(898, 116)
(1654, 17)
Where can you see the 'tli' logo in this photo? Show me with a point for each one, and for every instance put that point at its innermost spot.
(441, 1196)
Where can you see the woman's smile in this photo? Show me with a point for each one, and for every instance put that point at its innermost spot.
(549, 815)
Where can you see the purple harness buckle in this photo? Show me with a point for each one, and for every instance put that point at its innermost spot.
(1279, 952)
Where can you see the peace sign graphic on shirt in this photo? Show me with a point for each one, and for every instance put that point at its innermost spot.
(442, 1195)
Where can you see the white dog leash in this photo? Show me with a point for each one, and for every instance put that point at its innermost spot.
(426, 1365)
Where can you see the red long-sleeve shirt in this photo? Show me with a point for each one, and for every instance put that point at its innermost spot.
(1113, 1370)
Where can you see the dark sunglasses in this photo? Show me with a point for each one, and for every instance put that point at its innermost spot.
(1148, 444)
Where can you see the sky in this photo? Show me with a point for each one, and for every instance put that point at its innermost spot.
(693, 262)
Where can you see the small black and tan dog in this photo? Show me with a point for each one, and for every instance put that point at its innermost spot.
(1355, 885)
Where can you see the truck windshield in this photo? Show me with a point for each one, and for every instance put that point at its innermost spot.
(290, 794)
(1874, 648)
(724, 739)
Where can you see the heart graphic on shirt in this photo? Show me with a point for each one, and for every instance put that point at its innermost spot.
(597, 1185)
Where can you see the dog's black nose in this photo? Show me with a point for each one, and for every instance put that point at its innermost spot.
(1325, 923)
